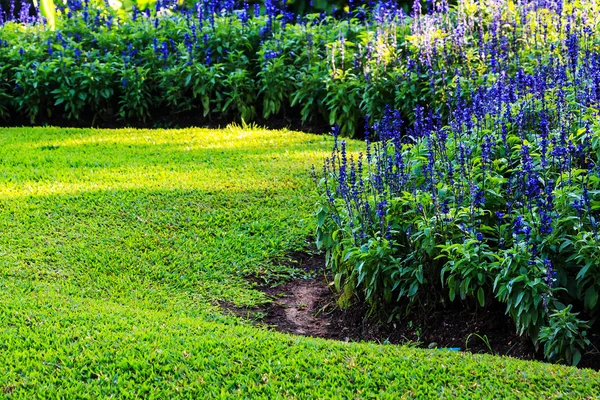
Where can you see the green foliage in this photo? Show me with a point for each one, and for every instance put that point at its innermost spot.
(521, 286)
(586, 253)
(275, 83)
(135, 97)
(470, 268)
(342, 100)
(565, 336)
(238, 89)
(327, 70)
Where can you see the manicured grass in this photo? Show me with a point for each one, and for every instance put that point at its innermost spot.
(117, 245)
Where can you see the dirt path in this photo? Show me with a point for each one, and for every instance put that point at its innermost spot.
(308, 307)
(296, 308)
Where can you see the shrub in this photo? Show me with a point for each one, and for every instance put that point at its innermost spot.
(218, 60)
(498, 203)
(564, 336)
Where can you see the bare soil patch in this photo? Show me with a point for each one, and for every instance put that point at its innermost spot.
(309, 307)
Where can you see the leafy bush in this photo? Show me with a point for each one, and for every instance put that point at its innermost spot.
(221, 60)
(498, 203)
(564, 336)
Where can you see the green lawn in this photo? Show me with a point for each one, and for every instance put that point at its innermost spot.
(117, 245)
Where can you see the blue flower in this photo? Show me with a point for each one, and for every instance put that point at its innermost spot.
(550, 273)
(478, 196)
(271, 54)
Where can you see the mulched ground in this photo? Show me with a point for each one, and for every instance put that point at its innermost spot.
(308, 307)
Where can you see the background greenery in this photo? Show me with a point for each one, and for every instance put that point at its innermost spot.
(102, 67)
(298, 6)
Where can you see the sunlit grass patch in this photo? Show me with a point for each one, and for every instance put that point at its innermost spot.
(116, 247)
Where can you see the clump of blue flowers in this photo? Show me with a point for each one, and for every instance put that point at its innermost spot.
(497, 203)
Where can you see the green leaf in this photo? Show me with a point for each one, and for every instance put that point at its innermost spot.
(337, 279)
(576, 358)
(321, 217)
(481, 297)
(564, 244)
(419, 275)
(591, 298)
(584, 270)
(451, 294)
(413, 289)
(519, 298)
